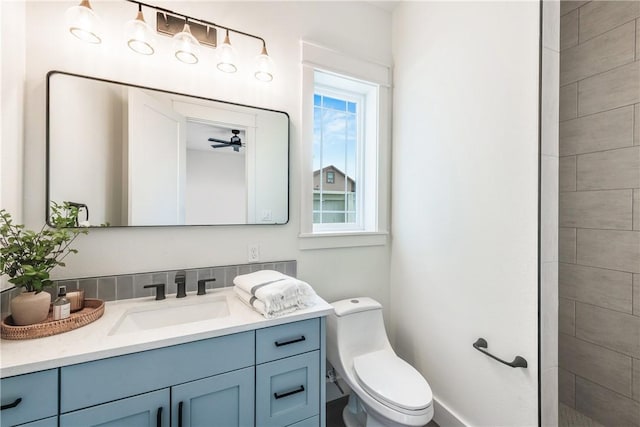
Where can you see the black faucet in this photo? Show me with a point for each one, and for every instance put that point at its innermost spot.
(181, 281)
(159, 290)
(202, 285)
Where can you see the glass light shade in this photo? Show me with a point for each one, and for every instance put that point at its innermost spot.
(264, 66)
(84, 23)
(140, 36)
(227, 56)
(186, 46)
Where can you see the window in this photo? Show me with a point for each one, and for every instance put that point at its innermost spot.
(331, 177)
(345, 129)
(339, 152)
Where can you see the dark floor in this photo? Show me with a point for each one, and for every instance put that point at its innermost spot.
(334, 413)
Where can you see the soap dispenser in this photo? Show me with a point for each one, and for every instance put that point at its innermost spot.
(61, 306)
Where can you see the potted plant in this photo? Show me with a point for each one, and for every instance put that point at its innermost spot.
(27, 257)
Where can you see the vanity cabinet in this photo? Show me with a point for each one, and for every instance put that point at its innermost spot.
(264, 377)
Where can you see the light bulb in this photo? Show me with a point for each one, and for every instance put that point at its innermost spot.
(186, 46)
(83, 22)
(140, 36)
(264, 66)
(227, 56)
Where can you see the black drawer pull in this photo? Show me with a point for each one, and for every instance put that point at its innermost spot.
(289, 393)
(11, 405)
(280, 344)
(159, 417)
(180, 405)
(518, 361)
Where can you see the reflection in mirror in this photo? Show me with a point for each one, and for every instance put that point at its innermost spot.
(135, 156)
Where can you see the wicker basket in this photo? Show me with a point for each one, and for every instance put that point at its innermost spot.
(92, 311)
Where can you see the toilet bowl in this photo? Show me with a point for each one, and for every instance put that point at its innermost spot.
(386, 390)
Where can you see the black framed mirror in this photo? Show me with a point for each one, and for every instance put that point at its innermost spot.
(129, 155)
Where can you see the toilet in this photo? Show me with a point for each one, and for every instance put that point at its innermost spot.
(386, 390)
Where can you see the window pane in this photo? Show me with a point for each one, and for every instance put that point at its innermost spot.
(334, 104)
(334, 159)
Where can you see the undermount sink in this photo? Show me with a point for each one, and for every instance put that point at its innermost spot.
(170, 313)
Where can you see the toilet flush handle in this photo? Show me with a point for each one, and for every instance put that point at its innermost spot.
(518, 361)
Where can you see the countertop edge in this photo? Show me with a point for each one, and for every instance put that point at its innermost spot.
(61, 361)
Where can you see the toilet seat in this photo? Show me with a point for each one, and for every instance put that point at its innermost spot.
(392, 381)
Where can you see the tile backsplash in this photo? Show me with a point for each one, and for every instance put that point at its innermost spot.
(125, 286)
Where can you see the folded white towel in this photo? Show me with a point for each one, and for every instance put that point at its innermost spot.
(261, 307)
(275, 290)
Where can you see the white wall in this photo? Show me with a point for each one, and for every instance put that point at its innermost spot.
(12, 75)
(91, 148)
(216, 190)
(356, 28)
(465, 160)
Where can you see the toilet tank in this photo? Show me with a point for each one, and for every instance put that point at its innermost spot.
(355, 327)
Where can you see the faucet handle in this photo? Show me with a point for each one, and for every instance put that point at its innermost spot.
(202, 285)
(159, 290)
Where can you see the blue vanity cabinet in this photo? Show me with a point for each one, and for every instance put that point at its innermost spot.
(269, 377)
(225, 400)
(145, 410)
(289, 382)
(29, 397)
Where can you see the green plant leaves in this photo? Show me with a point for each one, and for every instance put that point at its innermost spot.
(27, 256)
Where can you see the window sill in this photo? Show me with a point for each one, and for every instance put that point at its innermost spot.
(352, 239)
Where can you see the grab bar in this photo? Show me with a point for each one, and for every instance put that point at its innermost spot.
(518, 361)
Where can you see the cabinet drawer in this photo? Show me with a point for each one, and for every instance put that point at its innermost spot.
(110, 379)
(38, 394)
(286, 340)
(148, 410)
(309, 422)
(288, 390)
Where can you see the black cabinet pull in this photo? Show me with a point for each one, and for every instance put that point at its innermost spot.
(180, 405)
(280, 344)
(11, 405)
(289, 393)
(159, 417)
(518, 361)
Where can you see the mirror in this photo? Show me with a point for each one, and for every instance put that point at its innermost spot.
(135, 156)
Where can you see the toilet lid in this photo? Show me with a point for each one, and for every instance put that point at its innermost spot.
(392, 381)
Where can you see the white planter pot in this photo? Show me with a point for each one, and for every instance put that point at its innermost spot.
(30, 307)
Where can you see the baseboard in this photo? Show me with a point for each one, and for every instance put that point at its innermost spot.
(445, 417)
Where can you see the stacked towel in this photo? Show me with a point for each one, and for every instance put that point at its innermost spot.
(272, 293)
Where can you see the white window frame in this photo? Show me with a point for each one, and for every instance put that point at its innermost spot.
(374, 226)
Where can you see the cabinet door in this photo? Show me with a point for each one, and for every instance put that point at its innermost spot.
(145, 410)
(47, 422)
(224, 400)
(28, 397)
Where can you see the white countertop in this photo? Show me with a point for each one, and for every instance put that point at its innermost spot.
(97, 341)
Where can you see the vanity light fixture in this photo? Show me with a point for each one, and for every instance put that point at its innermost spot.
(140, 37)
(84, 23)
(187, 39)
(264, 66)
(185, 45)
(227, 56)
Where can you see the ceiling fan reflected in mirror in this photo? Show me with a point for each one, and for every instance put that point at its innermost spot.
(235, 142)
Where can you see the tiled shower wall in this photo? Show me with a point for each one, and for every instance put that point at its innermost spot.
(599, 239)
(111, 288)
